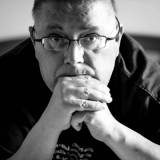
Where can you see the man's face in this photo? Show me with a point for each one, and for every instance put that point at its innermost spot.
(72, 22)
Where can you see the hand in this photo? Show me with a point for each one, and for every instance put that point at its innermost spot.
(100, 123)
(71, 94)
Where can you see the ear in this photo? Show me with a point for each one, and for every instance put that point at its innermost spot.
(31, 30)
(121, 31)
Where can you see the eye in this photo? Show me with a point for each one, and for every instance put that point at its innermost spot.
(91, 38)
(55, 39)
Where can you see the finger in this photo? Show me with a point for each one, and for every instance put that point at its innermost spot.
(96, 84)
(87, 105)
(89, 94)
(85, 81)
(92, 94)
(77, 119)
(90, 82)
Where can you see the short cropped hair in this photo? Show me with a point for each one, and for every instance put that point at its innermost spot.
(38, 3)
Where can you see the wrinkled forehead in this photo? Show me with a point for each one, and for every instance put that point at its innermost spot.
(68, 9)
(72, 9)
(74, 12)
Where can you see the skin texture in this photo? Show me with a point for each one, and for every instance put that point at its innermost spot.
(72, 6)
(74, 21)
(76, 97)
(65, 75)
(98, 64)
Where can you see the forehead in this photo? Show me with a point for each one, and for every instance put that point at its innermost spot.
(85, 14)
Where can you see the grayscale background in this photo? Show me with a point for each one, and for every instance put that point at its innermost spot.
(141, 19)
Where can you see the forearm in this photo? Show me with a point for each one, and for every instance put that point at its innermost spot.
(39, 144)
(129, 145)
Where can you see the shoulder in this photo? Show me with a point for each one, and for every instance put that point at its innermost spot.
(23, 95)
(20, 79)
(20, 54)
(136, 90)
(142, 71)
(18, 63)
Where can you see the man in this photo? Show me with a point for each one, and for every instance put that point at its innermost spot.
(110, 97)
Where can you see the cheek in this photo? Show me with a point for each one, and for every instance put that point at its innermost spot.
(48, 63)
(104, 64)
(104, 67)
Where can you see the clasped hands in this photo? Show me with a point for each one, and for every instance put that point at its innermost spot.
(80, 99)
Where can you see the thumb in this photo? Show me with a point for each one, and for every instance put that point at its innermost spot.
(78, 118)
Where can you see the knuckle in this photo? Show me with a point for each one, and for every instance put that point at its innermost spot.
(64, 95)
(64, 81)
(84, 104)
(98, 105)
(86, 91)
(63, 84)
(87, 80)
(64, 88)
(64, 99)
(68, 99)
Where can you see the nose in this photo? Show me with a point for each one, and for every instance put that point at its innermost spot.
(74, 54)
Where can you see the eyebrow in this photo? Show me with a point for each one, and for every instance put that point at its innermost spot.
(88, 27)
(54, 27)
(81, 27)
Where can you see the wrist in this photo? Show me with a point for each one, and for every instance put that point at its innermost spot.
(48, 129)
(116, 135)
(39, 144)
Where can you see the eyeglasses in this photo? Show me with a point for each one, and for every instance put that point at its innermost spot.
(89, 42)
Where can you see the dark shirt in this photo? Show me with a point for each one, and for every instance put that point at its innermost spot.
(134, 86)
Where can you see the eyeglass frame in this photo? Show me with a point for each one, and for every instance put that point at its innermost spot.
(76, 40)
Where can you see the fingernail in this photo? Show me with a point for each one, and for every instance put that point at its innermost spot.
(110, 100)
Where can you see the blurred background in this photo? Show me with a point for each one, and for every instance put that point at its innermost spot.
(141, 19)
